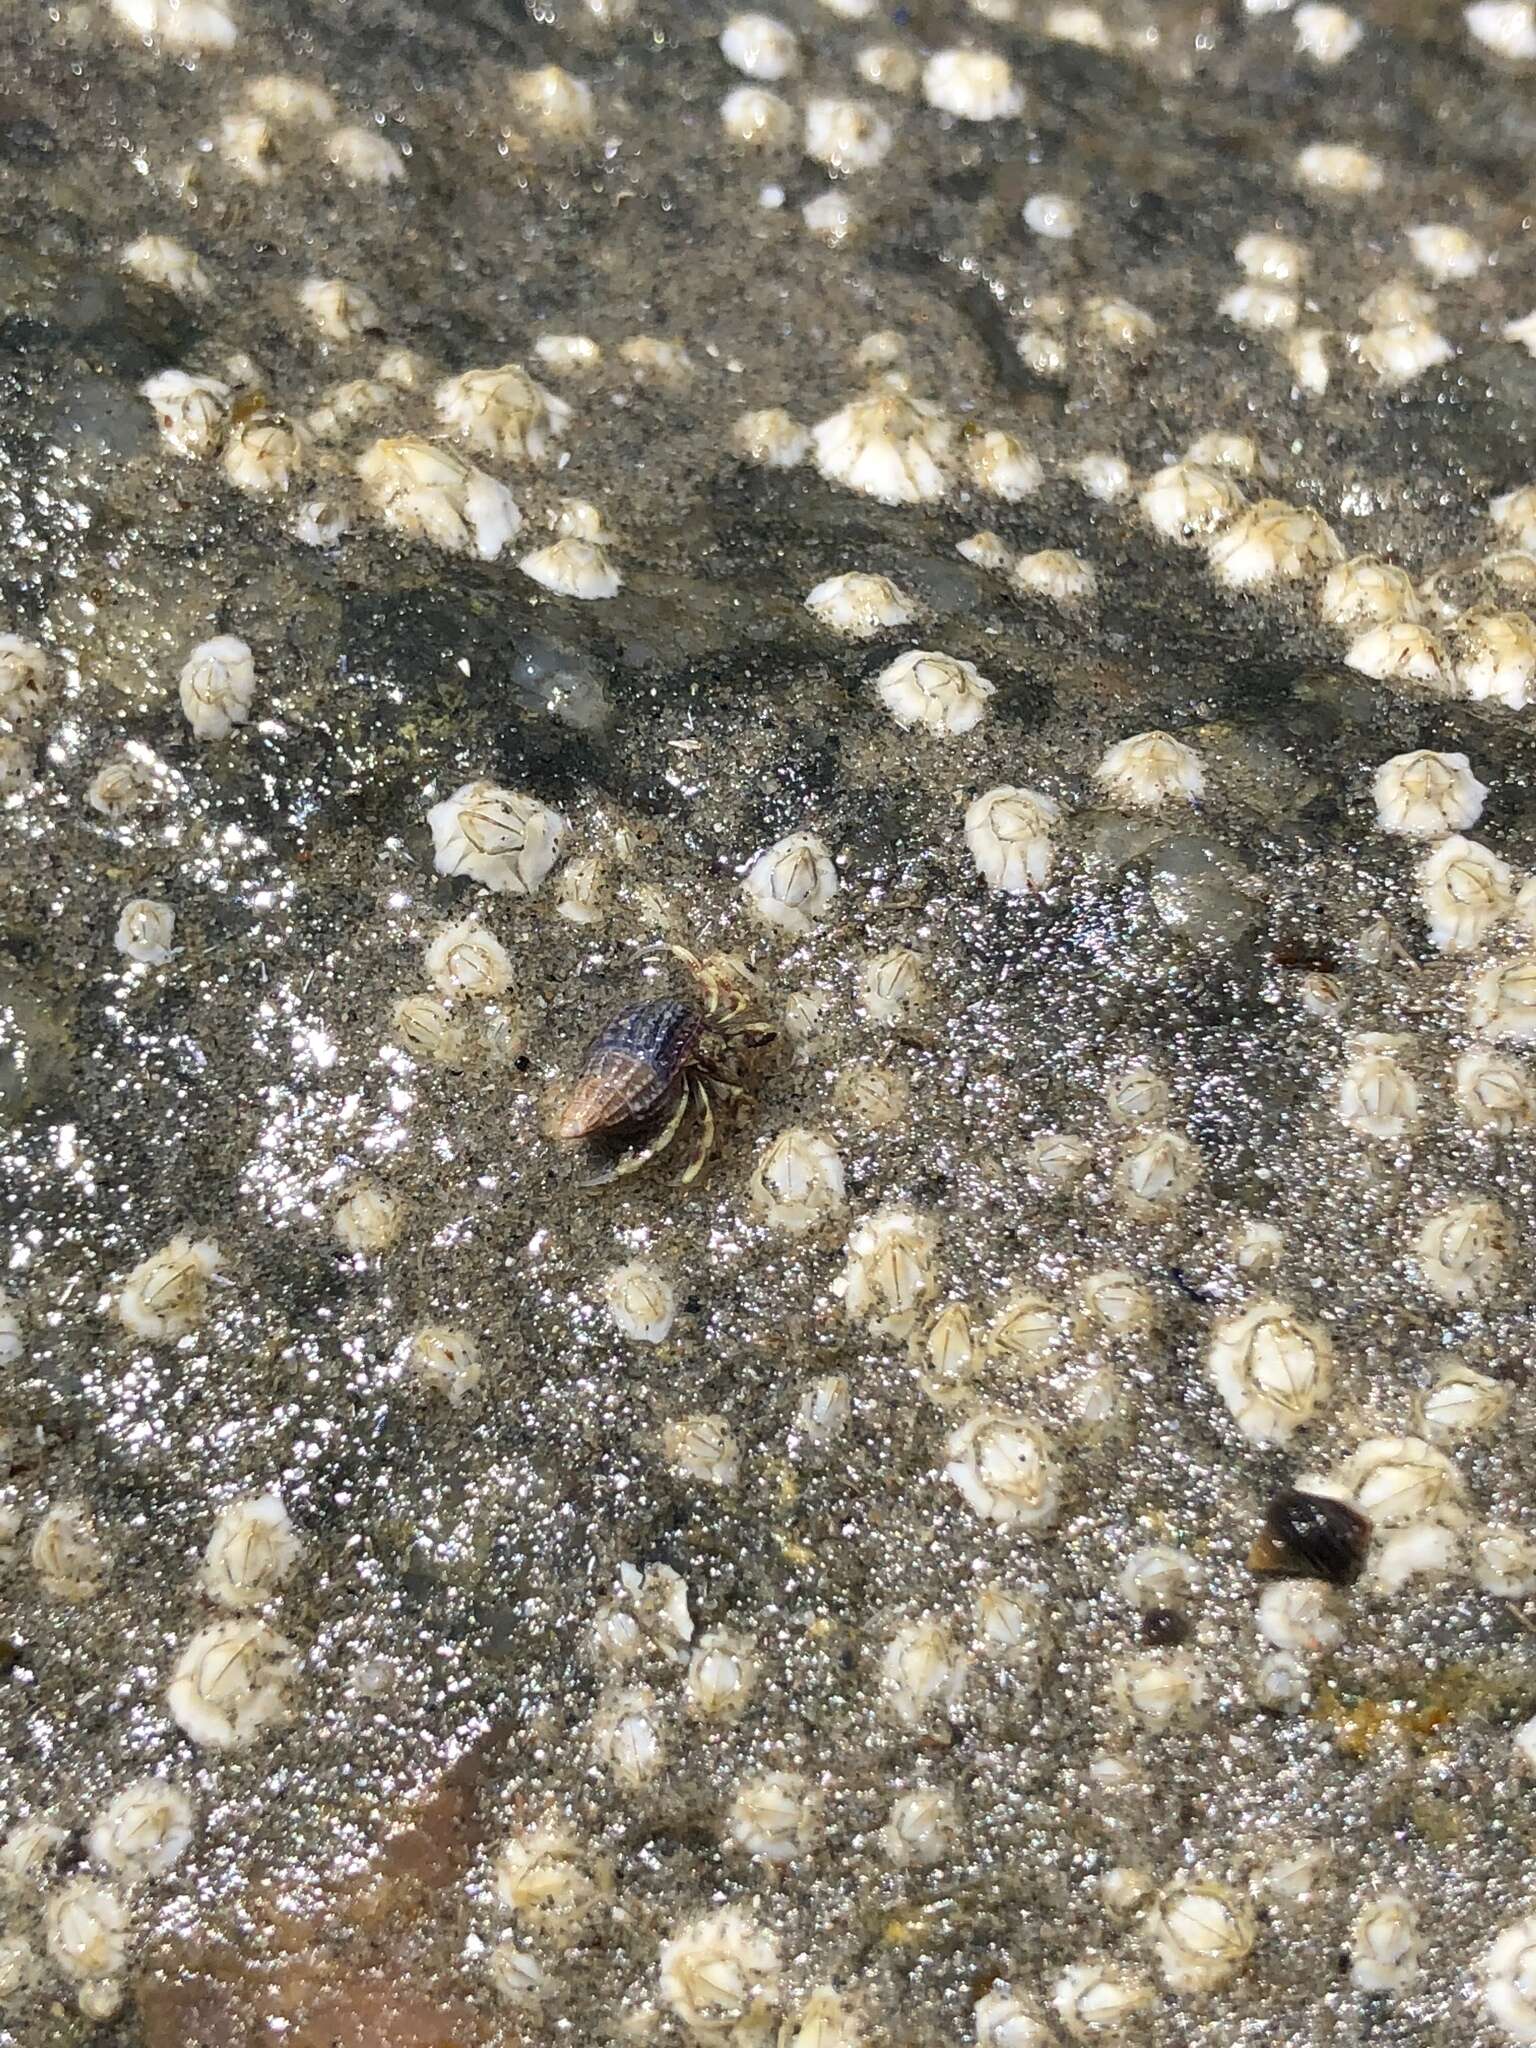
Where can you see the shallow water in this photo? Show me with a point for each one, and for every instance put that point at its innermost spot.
(454, 1557)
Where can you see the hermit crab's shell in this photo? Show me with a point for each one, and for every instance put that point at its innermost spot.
(633, 1069)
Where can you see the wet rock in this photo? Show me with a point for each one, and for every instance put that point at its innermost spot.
(1196, 889)
(34, 1045)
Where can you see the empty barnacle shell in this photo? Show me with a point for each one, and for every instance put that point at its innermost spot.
(1311, 1536)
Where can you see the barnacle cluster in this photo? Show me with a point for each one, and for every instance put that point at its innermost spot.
(771, 532)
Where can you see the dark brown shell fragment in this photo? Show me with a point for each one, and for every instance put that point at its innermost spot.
(1309, 1536)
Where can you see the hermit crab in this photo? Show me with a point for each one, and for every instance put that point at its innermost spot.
(656, 1061)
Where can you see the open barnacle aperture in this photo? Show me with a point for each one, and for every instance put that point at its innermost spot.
(660, 1065)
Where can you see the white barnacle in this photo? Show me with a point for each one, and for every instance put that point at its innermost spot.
(1096, 2000)
(1522, 331)
(12, 1343)
(1221, 449)
(1504, 1562)
(144, 932)
(1449, 253)
(1306, 352)
(889, 1274)
(791, 884)
(1399, 1479)
(1004, 1469)
(889, 446)
(922, 1673)
(999, 464)
(1156, 1575)
(1339, 170)
(143, 1831)
(1156, 1171)
(757, 118)
(505, 841)
(70, 1559)
(426, 491)
(18, 765)
(1400, 650)
(972, 85)
(1402, 351)
(759, 46)
(641, 1302)
(558, 103)
(1159, 1688)
(1463, 1250)
(1508, 29)
(1010, 1625)
(231, 1683)
(1502, 1003)
(283, 97)
(158, 260)
(1008, 833)
(1025, 1332)
(1465, 890)
(846, 135)
(1424, 1550)
(1272, 542)
(827, 2019)
(340, 311)
(1326, 34)
(1425, 794)
(183, 28)
(248, 144)
(722, 1676)
(1272, 1368)
(627, 1739)
(1055, 574)
(1119, 325)
(582, 896)
(467, 960)
(1508, 1970)
(947, 1355)
(217, 686)
(1384, 1944)
(28, 1854)
(1103, 476)
(1057, 1159)
(263, 454)
(1494, 1092)
(941, 693)
(1137, 1094)
(445, 1360)
(1301, 1615)
(892, 984)
(1366, 591)
(369, 1221)
(427, 1030)
(341, 408)
(720, 1977)
(1117, 1301)
(860, 606)
(1202, 1932)
(518, 1976)
(887, 66)
(88, 1930)
(1150, 769)
(190, 412)
(703, 1447)
(1376, 1095)
(1052, 216)
(1273, 257)
(546, 1883)
(253, 1548)
(502, 413)
(1496, 657)
(797, 1183)
(1261, 308)
(774, 1818)
(923, 1828)
(167, 1295)
(772, 439)
(363, 156)
(987, 550)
